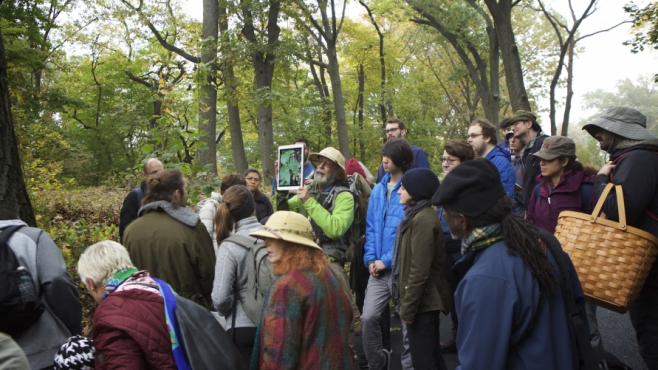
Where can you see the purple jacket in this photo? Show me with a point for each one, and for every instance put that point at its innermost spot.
(566, 196)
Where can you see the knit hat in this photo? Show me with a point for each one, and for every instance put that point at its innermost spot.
(556, 146)
(420, 183)
(471, 188)
(353, 166)
(77, 353)
(626, 122)
(289, 226)
(247, 208)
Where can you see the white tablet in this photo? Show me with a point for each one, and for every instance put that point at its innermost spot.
(291, 167)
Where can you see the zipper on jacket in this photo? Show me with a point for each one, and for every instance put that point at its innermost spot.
(549, 200)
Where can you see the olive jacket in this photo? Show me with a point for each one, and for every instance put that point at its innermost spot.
(173, 245)
(422, 283)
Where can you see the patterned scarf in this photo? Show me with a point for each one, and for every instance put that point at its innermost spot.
(482, 237)
(119, 278)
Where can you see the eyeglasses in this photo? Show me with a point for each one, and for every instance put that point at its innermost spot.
(391, 130)
(449, 160)
(323, 163)
(473, 136)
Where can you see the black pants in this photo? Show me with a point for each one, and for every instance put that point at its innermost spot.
(244, 341)
(424, 340)
(454, 278)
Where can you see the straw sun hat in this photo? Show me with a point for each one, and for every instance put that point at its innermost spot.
(289, 226)
(334, 155)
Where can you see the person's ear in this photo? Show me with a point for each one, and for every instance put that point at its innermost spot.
(565, 161)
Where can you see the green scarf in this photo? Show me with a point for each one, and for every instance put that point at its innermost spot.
(482, 237)
(118, 279)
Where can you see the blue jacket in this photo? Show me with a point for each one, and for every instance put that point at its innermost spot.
(382, 223)
(503, 162)
(420, 161)
(488, 332)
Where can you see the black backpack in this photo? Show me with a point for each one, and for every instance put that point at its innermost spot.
(20, 306)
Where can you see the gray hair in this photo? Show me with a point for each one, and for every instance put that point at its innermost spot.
(102, 260)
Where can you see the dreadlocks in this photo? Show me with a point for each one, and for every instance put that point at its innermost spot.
(521, 239)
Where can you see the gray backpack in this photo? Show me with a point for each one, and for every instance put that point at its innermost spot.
(259, 275)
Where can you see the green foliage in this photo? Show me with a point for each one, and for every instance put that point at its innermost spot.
(645, 21)
(289, 168)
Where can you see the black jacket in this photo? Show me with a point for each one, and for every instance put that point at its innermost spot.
(531, 168)
(129, 209)
(637, 173)
(263, 206)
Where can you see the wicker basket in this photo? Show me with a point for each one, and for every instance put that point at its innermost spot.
(612, 259)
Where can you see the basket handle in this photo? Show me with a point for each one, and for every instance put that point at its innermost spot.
(621, 209)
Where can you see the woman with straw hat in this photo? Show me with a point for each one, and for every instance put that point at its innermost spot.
(306, 317)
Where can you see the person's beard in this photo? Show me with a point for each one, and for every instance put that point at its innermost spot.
(324, 180)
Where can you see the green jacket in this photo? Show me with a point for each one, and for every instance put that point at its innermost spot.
(333, 224)
(422, 283)
(163, 242)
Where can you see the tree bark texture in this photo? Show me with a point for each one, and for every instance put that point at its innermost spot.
(262, 59)
(501, 12)
(13, 193)
(339, 102)
(232, 106)
(208, 103)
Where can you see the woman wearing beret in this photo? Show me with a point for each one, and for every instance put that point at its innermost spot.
(306, 316)
(418, 264)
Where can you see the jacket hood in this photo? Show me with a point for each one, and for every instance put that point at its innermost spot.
(213, 196)
(569, 181)
(498, 152)
(651, 145)
(180, 214)
(7, 223)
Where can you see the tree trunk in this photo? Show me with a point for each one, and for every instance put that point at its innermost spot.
(208, 103)
(501, 12)
(362, 83)
(232, 106)
(13, 193)
(569, 97)
(339, 103)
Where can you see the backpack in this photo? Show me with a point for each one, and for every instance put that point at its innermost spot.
(202, 342)
(20, 305)
(260, 275)
(140, 195)
(360, 190)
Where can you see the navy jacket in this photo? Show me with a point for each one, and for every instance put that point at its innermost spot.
(382, 222)
(420, 161)
(497, 301)
(503, 162)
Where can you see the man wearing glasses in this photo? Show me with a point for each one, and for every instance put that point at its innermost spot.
(525, 127)
(395, 129)
(133, 201)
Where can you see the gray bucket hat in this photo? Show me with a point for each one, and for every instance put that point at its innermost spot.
(623, 121)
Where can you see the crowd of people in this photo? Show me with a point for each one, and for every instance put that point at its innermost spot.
(467, 246)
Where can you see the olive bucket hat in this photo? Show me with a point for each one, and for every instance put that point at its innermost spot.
(288, 226)
(556, 146)
(623, 121)
(334, 155)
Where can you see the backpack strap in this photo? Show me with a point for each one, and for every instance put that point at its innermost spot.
(241, 240)
(7, 233)
(585, 353)
(537, 189)
(140, 196)
(586, 195)
(172, 324)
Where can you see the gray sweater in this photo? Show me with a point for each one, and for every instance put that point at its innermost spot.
(37, 252)
(231, 271)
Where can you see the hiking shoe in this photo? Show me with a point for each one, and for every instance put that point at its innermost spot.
(387, 355)
(363, 362)
(449, 346)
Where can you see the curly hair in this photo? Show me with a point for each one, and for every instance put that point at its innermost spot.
(300, 257)
(488, 129)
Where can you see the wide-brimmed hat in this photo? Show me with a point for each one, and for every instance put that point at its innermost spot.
(332, 154)
(623, 121)
(556, 146)
(289, 226)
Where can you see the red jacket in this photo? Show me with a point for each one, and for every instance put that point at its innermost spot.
(130, 332)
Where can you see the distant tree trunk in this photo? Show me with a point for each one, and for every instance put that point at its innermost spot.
(501, 11)
(13, 193)
(263, 63)
(383, 99)
(323, 90)
(208, 103)
(232, 106)
(362, 83)
(569, 97)
(339, 103)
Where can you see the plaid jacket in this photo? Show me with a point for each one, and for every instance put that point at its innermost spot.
(304, 324)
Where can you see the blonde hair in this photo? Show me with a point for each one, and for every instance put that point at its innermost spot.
(102, 260)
